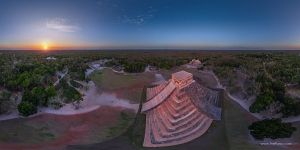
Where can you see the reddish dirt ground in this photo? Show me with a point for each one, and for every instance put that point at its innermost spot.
(74, 129)
(131, 93)
(295, 147)
(123, 93)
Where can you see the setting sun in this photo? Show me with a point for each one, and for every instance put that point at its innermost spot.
(45, 45)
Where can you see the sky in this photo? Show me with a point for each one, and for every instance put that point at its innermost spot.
(150, 24)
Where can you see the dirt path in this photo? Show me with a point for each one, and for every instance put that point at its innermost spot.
(244, 105)
(291, 119)
(94, 68)
(92, 100)
(219, 85)
(62, 75)
(159, 79)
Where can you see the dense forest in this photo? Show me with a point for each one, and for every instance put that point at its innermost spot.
(39, 79)
(33, 79)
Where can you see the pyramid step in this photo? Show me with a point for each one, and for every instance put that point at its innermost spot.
(175, 121)
(173, 113)
(155, 143)
(168, 109)
(178, 107)
(169, 128)
(177, 100)
(187, 126)
(147, 140)
(175, 103)
(192, 130)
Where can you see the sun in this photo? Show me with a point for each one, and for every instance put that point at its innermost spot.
(45, 45)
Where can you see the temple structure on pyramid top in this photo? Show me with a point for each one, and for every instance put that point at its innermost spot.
(178, 111)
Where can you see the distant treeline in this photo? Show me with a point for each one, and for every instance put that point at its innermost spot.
(30, 73)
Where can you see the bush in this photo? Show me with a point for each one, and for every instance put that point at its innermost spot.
(26, 108)
(78, 75)
(135, 67)
(5, 95)
(55, 104)
(40, 94)
(279, 90)
(290, 108)
(5, 101)
(50, 91)
(271, 128)
(270, 91)
(262, 102)
(29, 97)
(71, 94)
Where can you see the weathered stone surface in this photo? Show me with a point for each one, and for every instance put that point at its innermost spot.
(178, 111)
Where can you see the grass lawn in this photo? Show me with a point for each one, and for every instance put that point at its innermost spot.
(18, 131)
(237, 121)
(125, 86)
(125, 120)
(107, 79)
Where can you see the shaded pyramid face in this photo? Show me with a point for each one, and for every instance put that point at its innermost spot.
(172, 118)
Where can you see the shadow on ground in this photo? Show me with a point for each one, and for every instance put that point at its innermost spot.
(214, 138)
(231, 133)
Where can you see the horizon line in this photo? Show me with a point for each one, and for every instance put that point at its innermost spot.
(149, 49)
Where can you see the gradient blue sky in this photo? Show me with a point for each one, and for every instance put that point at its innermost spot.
(192, 24)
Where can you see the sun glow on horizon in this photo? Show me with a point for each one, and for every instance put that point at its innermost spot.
(45, 45)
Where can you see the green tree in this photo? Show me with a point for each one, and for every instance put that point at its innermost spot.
(28, 97)
(135, 67)
(290, 108)
(279, 90)
(71, 94)
(262, 102)
(39, 93)
(11, 84)
(50, 91)
(271, 128)
(24, 79)
(4, 101)
(27, 108)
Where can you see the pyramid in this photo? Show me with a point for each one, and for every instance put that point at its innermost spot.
(178, 111)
